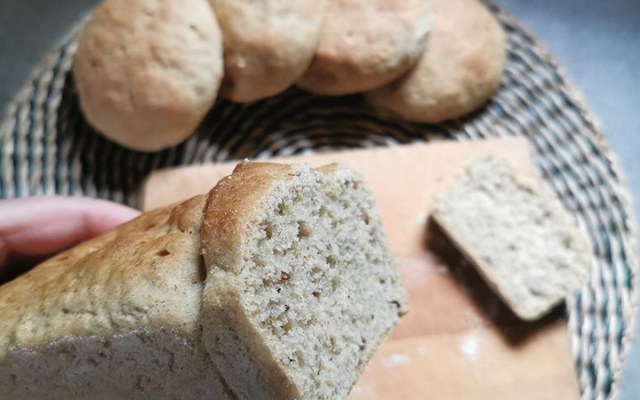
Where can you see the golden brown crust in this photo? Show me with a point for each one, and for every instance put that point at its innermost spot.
(113, 284)
(230, 207)
(230, 203)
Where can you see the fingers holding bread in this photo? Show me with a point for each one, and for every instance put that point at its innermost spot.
(148, 71)
(459, 71)
(365, 44)
(267, 44)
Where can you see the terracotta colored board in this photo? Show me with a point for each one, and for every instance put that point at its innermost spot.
(459, 342)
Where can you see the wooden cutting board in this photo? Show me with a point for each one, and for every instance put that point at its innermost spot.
(459, 342)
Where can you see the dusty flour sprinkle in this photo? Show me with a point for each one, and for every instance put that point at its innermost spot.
(442, 269)
(395, 360)
(421, 218)
(470, 345)
(365, 392)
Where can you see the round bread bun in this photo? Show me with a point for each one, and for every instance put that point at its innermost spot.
(268, 44)
(148, 71)
(365, 44)
(459, 71)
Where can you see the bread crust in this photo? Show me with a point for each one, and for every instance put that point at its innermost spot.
(112, 284)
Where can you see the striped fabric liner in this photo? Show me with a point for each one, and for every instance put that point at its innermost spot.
(46, 147)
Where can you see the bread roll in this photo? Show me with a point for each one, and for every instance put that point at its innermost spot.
(268, 44)
(459, 71)
(148, 71)
(365, 44)
(277, 285)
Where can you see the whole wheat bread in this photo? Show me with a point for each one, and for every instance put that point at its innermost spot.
(295, 291)
(516, 232)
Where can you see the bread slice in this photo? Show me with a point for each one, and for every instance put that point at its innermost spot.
(292, 256)
(518, 235)
(301, 279)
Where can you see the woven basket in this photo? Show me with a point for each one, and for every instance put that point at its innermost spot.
(46, 147)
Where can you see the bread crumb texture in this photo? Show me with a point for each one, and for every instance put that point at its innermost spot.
(516, 231)
(310, 291)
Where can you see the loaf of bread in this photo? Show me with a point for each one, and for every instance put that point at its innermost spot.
(278, 285)
(518, 235)
(148, 71)
(268, 44)
(365, 44)
(459, 71)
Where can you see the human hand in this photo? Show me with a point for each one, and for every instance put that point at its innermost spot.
(36, 227)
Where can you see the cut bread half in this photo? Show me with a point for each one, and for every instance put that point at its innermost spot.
(301, 287)
(295, 291)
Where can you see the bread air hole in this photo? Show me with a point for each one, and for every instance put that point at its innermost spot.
(282, 208)
(268, 231)
(202, 270)
(163, 253)
(366, 218)
(331, 262)
(316, 273)
(303, 230)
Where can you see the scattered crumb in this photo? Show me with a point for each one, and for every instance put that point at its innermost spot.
(473, 319)
(470, 345)
(442, 269)
(395, 360)
(422, 350)
(365, 392)
(421, 218)
(417, 272)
